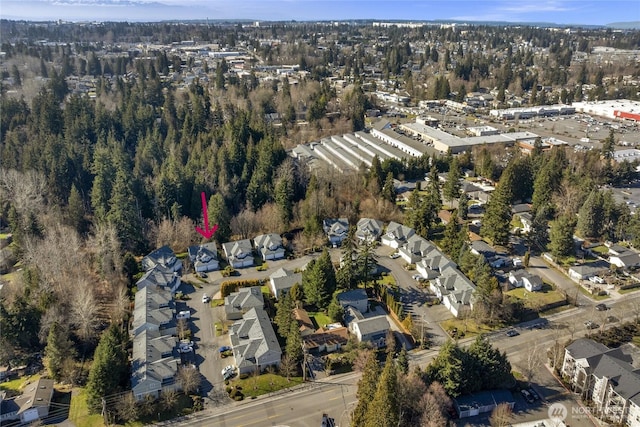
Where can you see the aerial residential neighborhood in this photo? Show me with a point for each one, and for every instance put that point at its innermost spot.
(345, 216)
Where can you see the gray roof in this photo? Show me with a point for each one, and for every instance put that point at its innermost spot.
(373, 325)
(36, 394)
(239, 249)
(150, 346)
(252, 337)
(284, 279)
(153, 298)
(270, 242)
(158, 276)
(624, 379)
(243, 300)
(163, 256)
(352, 296)
(369, 229)
(203, 253)
(483, 248)
(584, 348)
(336, 226)
(399, 231)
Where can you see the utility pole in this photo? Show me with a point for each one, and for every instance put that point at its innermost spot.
(104, 412)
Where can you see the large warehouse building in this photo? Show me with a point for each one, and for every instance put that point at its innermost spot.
(614, 109)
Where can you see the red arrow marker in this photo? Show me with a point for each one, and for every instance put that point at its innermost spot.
(207, 232)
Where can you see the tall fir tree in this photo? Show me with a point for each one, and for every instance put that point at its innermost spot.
(383, 409)
(367, 386)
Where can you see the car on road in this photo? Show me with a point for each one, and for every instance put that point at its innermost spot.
(602, 307)
(417, 277)
(206, 298)
(224, 348)
(186, 314)
(527, 396)
(512, 333)
(591, 324)
(394, 255)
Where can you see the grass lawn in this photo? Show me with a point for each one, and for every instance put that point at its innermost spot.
(590, 295)
(469, 327)
(217, 302)
(535, 300)
(320, 318)
(602, 250)
(626, 291)
(16, 386)
(387, 280)
(79, 413)
(263, 384)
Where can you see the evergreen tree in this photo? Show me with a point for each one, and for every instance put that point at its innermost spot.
(383, 409)
(293, 348)
(319, 281)
(451, 244)
(123, 213)
(284, 314)
(497, 217)
(75, 210)
(463, 206)
(335, 311)
(451, 190)
(346, 276)
(561, 237)
(591, 216)
(608, 145)
(493, 367)
(219, 214)
(59, 348)
(388, 189)
(367, 386)
(403, 361)
(375, 175)
(109, 372)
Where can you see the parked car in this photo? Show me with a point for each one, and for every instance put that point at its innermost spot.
(202, 275)
(591, 325)
(527, 396)
(517, 262)
(224, 348)
(394, 255)
(602, 307)
(183, 315)
(533, 393)
(512, 333)
(596, 279)
(206, 298)
(417, 277)
(185, 349)
(228, 372)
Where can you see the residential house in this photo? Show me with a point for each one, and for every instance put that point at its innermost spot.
(254, 342)
(370, 329)
(153, 365)
(626, 260)
(304, 321)
(396, 235)
(239, 253)
(356, 298)
(238, 303)
(526, 219)
(159, 276)
(522, 278)
(269, 246)
(8, 408)
(617, 250)
(336, 230)
(479, 247)
(415, 249)
(454, 289)
(445, 216)
(607, 378)
(204, 257)
(584, 271)
(163, 257)
(368, 230)
(282, 280)
(32, 404)
(326, 340)
(154, 311)
(424, 270)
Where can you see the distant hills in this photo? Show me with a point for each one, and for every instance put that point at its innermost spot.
(633, 25)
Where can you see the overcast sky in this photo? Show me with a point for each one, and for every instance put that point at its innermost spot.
(586, 12)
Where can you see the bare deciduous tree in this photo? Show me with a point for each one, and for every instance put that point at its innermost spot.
(84, 312)
(361, 358)
(182, 329)
(127, 408)
(168, 399)
(189, 379)
(532, 363)
(288, 367)
(245, 224)
(501, 415)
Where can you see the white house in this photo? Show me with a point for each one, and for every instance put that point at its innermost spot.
(415, 249)
(31, 405)
(204, 257)
(160, 277)
(336, 230)
(372, 329)
(396, 235)
(368, 230)
(282, 280)
(522, 278)
(454, 289)
(626, 260)
(269, 246)
(239, 253)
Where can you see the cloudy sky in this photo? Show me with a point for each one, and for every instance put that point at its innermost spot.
(588, 12)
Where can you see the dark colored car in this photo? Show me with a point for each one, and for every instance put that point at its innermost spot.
(512, 333)
(224, 348)
(601, 307)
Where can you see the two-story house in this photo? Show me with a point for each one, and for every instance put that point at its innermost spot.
(269, 246)
(239, 253)
(204, 257)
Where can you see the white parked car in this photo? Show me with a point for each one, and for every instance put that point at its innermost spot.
(394, 255)
(596, 279)
(417, 277)
(183, 315)
(228, 372)
(206, 298)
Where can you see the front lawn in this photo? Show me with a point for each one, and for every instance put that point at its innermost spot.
(387, 279)
(79, 412)
(536, 300)
(465, 328)
(254, 386)
(320, 318)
